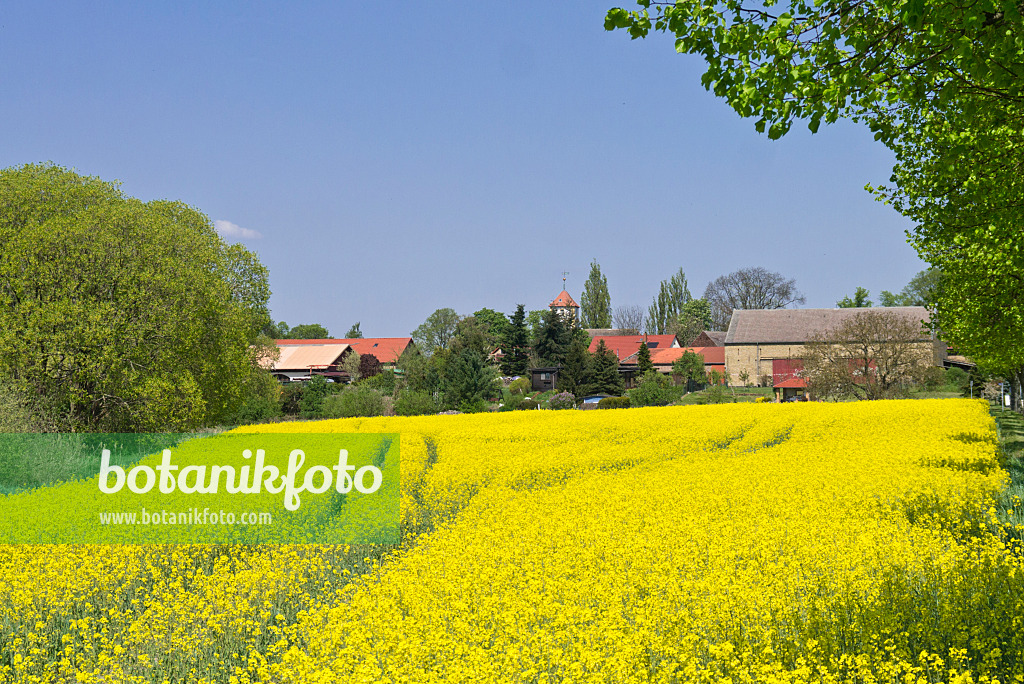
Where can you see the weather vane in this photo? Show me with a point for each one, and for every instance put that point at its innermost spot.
(564, 273)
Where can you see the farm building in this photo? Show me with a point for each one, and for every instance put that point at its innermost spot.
(769, 343)
(301, 359)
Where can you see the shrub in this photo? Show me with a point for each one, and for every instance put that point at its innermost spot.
(384, 381)
(933, 377)
(413, 403)
(354, 402)
(369, 366)
(614, 402)
(563, 400)
(15, 412)
(655, 390)
(715, 394)
(519, 386)
(527, 405)
(959, 378)
(255, 409)
(313, 396)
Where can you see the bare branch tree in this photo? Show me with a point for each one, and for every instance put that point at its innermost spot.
(629, 319)
(873, 355)
(749, 288)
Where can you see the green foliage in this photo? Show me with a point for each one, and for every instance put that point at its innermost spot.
(354, 333)
(308, 331)
(534, 322)
(562, 401)
(472, 333)
(958, 377)
(437, 331)
(859, 300)
(291, 397)
(495, 323)
(255, 409)
(15, 410)
(553, 339)
(519, 386)
(715, 394)
(614, 403)
(668, 306)
(689, 366)
(117, 314)
(516, 347)
(643, 360)
(655, 389)
(413, 403)
(606, 377)
(577, 375)
(694, 319)
(596, 302)
(316, 391)
(469, 380)
(938, 83)
(527, 405)
(384, 381)
(922, 290)
(353, 402)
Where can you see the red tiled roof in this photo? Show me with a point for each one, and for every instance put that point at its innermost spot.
(386, 349)
(306, 356)
(792, 382)
(713, 356)
(625, 346)
(564, 299)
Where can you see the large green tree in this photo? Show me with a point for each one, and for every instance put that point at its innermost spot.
(576, 375)
(939, 83)
(117, 314)
(605, 376)
(860, 300)
(665, 310)
(596, 302)
(553, 339)
(922, 290)
(516, 359)
(437, 331)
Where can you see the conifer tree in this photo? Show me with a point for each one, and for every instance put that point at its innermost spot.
(606, 371)
(516, 357)
(643, 360)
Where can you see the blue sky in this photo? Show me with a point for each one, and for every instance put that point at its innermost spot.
(386, 160)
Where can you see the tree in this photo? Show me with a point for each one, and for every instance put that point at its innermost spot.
(437, 331)
(689, 366)
(516, 357)
(369, 366)
(643, 360)
(122, 315)
(606, 377)
(938, 83)
(495, 323)
(576, 375)
(922, 290)
(872, 355)
(629, 319)
(354, 333)
(276, 331)
(749, 288)
(534, 322)
(469, 380)
(351, 364)
(596, 303)
(472, 333)
(666, 308)
(553, 339)
(308, 331)
(860, 300)
(694, 319)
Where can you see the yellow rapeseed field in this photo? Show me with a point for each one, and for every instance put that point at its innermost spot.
(741, 543)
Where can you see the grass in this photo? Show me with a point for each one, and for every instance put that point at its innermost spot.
(1011, 439)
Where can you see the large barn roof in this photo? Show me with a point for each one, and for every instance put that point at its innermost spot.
(386, 349)
(796, 326)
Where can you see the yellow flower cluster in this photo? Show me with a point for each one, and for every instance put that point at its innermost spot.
(738, 543)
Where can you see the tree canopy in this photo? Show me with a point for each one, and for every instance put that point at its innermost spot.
(596, 302)
(938, 83)
(860, 300)
(749, 288)
(668, 306)
(123, 315)
(437, 331)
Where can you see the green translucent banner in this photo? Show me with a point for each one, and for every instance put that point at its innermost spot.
(181, 489)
